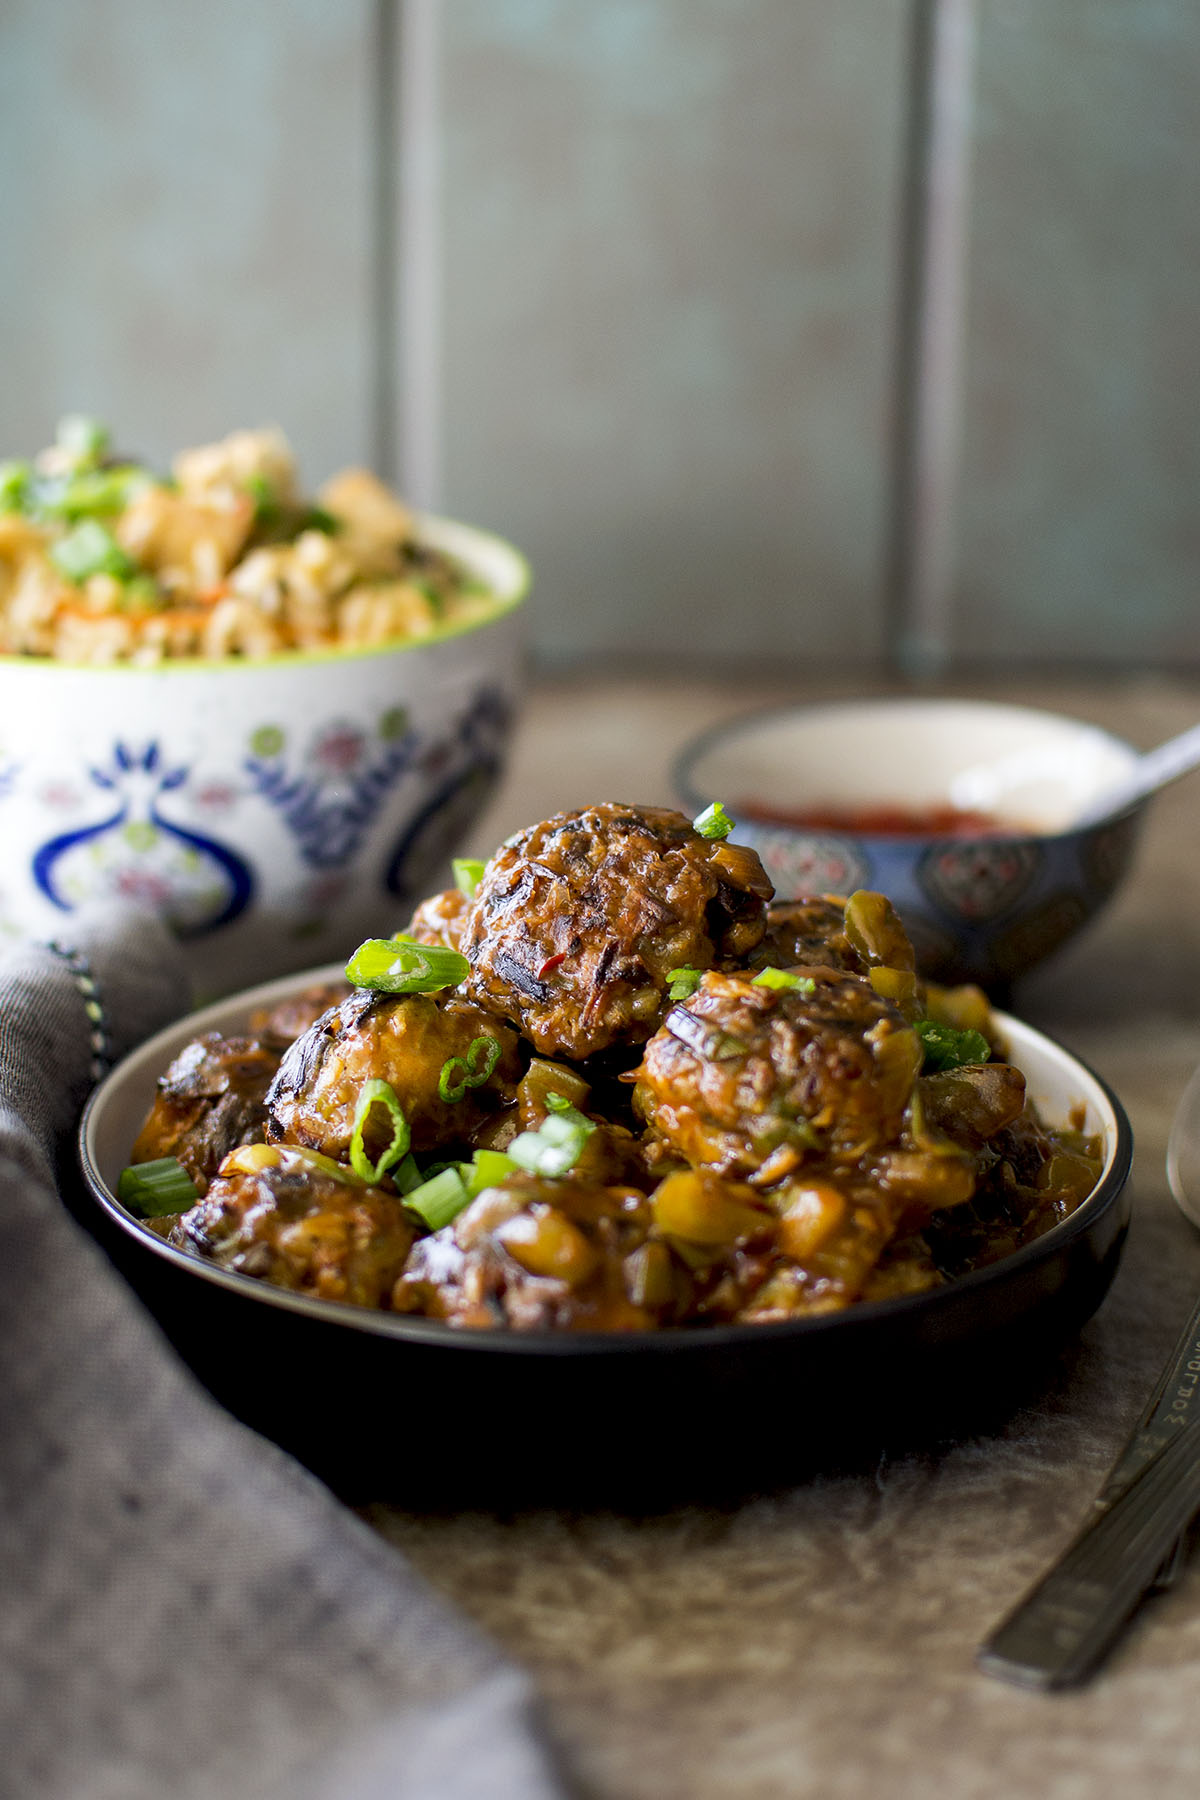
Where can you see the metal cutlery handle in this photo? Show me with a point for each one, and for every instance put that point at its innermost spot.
(1175, 1401)
(1060, 1631)
(1062, 1628)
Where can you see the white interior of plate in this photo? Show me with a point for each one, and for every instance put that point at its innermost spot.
(1063, 1090)
(1035, 770)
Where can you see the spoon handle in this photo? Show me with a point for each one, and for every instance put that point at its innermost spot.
(1166, 763)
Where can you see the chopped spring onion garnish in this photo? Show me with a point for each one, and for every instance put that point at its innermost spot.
(783, 978)
(946, 1048)
(15, 478)
(378, 1096)
(558, 1143)
(91, 550)
(487, 1168)
(683, 983)
(157, 1190)
(400, 965)
(92, 491)
(407, 1175)
(713, 822)
(459, 1072)
(82, 438)
(267, 510)
(440, 1199)
(468, 873)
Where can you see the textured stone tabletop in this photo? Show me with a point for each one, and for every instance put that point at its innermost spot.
(819, 1641)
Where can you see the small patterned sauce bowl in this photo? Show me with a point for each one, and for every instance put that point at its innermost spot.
(275, 811)
(961, 811)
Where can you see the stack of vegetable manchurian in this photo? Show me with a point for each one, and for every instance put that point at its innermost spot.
(605, 1084)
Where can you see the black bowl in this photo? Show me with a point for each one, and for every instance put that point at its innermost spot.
(384, 1406)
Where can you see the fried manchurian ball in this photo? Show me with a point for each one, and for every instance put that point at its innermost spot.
(211, 1099)
(213, 1096)
(577, 922)
(863, 935)
(274, 1213)
(406, 1040)
(280, 1025)
(750, 1079)
(807, 931)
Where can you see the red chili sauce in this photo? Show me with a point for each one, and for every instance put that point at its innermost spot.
(941, 820)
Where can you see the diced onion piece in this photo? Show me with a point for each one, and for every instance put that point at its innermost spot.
(545, 1242)
(696, 1204)
(810, 1218)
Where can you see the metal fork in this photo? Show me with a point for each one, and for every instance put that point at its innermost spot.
(1131, 1543)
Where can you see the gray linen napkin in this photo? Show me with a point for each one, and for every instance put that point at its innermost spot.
(184, 1611)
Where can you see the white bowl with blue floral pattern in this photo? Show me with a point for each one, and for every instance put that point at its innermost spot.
(978, 908)
(274, 811)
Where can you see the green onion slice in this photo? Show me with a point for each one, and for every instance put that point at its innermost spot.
(682, 983)
(94, 491)
(400, 965)
(947, 1048)
(91, 550)
(440, 1199)
(407, 1174)
(317, 519)
(267, 510)
(158, 1189)
(460, 1073)
(84, 439)
(376, 1094)
(558, 1143)
(783, 978)
(15, 478)
(713, 822)
(488, 1168)
(468, 873)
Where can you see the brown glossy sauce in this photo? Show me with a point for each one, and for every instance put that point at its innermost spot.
(883, 820)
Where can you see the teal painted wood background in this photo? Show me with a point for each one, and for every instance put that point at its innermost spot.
(623, 281)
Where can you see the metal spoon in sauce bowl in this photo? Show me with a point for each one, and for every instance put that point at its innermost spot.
(1158, 767)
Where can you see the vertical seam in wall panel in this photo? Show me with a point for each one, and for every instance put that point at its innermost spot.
(418, 254)
(935, 229)
(384, 149)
